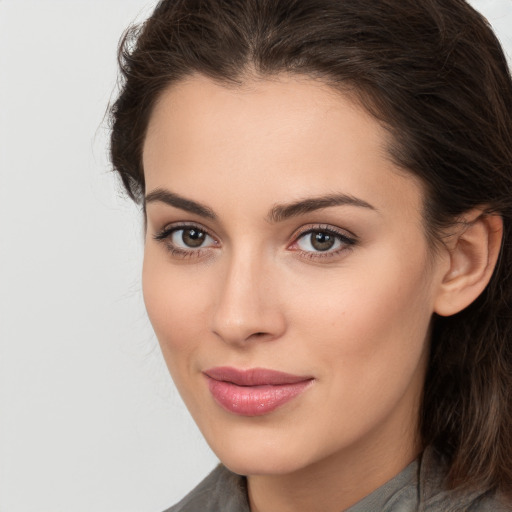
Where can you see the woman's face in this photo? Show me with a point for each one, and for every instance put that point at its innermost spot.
(281, 237)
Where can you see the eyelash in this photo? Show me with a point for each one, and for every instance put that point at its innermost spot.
(347, 241)
(164, 237)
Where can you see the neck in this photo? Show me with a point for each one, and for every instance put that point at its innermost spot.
(334, 483)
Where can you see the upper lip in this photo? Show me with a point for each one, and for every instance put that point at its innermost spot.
(254, 376)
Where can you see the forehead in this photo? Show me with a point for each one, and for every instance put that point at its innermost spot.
(286, 136)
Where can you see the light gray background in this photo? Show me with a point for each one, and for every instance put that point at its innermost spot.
(89, 420)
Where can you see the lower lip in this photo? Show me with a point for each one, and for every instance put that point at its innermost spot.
(254, 400)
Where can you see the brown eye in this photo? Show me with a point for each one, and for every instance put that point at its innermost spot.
(192, 237)
(322, 241)
(188, 238)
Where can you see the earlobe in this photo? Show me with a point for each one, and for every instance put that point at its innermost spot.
(473, 253)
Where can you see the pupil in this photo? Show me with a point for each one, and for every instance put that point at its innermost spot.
(322, 241)
(193, 237)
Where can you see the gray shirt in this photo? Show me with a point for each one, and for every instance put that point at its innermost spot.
(418, 488)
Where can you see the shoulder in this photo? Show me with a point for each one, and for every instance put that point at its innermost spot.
(491, 503)
(466, 502)
(220, 490)
(435, 497)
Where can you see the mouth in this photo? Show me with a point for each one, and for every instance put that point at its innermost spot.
(256, 391)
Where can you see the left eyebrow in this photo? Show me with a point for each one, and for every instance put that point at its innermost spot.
(283, 212)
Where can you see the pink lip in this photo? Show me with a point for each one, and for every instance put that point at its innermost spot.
(253, 392)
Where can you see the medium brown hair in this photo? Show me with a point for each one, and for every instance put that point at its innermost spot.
(433, 73)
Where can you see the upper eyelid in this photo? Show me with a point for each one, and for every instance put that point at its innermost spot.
(169, 228)
(324, 227)
(298, 233)
(164, 236)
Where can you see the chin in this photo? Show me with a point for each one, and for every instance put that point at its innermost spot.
(269, 465)
(258, 459)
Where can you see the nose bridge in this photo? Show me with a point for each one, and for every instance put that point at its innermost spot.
(246, 305)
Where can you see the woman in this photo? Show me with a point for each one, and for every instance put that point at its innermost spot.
(327, 188)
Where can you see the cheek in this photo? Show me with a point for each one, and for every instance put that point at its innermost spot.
(365, 339)
(368, 326)
(176, 302)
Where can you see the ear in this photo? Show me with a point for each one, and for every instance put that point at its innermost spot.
(473, 252)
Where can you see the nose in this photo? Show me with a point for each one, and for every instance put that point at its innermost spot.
(247, 305)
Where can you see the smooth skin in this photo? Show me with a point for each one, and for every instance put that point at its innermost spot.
(281, 235)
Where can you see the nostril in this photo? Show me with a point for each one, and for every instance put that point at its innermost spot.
(257, 335)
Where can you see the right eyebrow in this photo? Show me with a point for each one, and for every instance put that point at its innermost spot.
(310, 204)
(165, 196)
